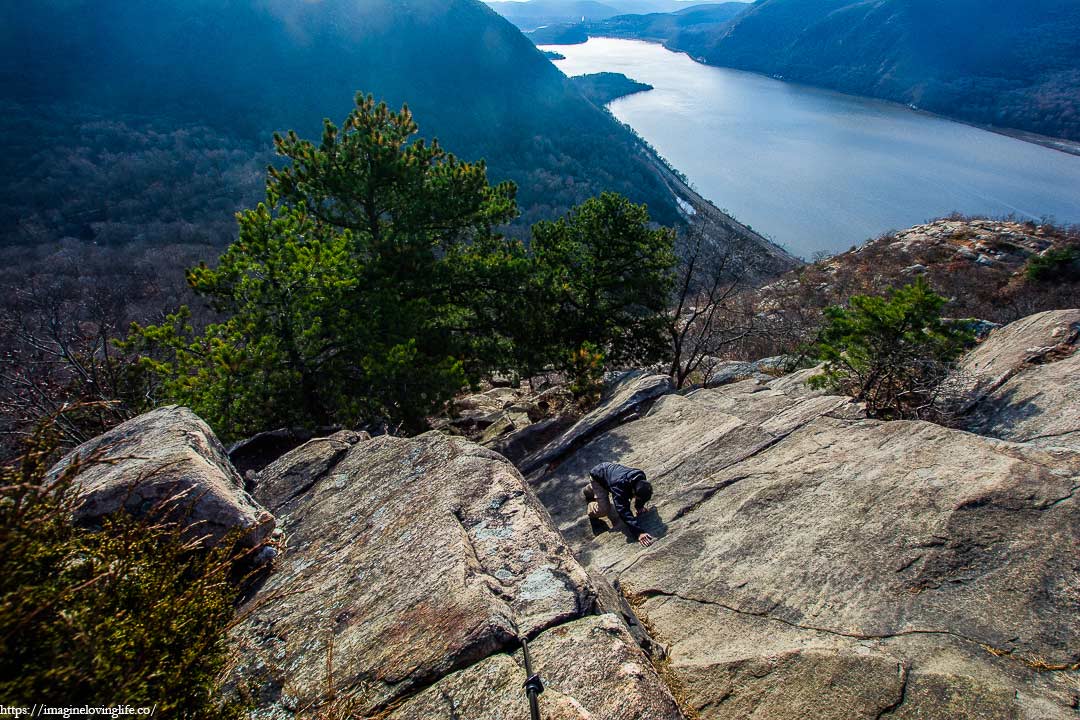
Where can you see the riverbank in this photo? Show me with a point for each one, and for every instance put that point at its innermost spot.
(752, 257)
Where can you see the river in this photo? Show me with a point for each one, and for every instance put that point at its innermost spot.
(816, 170)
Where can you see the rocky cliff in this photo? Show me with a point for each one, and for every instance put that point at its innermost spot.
(811, 562)
(814, 563)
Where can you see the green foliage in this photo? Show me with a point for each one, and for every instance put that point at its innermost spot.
(1057, 266)
(127, 613)
(586, 368)
(892, 353)
(370, 285)
(603, 277)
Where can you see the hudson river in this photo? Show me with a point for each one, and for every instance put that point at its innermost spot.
(818, 170)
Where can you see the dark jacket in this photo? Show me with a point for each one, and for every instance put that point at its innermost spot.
(619, 480)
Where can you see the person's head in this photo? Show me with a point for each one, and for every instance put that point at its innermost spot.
(642, 494)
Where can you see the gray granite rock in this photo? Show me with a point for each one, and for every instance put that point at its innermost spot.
(591, 670)
(630, 394)
(408, 561)
(1026, 381)
(168, 463)
(814, 563)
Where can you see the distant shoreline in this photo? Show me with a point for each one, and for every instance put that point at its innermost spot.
(1069, 147)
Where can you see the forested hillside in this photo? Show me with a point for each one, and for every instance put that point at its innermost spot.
(1009, 63)
(151, 121)
(685, 27)
(536, 13)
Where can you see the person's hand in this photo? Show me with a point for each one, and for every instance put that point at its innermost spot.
(646, 539)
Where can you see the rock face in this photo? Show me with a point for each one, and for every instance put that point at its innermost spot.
(294, 473)
(513, 421)
(412, 568)
(810, 563)
(591, 667)
(1026, 379)
(628, 396)
(166, 460)
(813, 563)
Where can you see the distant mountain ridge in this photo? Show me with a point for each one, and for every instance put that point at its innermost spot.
(684, 27)
(537, 13)
(249, 67)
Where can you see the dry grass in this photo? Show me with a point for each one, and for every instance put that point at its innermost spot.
(1035, 662)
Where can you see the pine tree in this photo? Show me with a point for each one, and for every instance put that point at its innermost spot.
(370, 285)
(890, 352)
(607, 277)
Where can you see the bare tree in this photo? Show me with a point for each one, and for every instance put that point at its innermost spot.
(58, 357)
(711, 314)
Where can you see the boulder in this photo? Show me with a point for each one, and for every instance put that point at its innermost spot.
(630, 394)
(507, 423)
(295, 472)
(814, 563)
(725, 372)
(256, 452)
(1017, 346)
(410, 561)
(519, 443)
(1026, 380)
(166, 463)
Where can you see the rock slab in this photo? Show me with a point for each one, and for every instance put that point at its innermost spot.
(411, 562)
(167, 460)
(1026, 381)
(814, 563)
(629, 395)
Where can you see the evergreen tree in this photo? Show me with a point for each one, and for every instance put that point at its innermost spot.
(371, 284)
(606, 277)
(891, 353)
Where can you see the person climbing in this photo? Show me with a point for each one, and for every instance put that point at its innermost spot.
(623, 483)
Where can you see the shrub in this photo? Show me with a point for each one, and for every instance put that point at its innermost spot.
(1056, 266)
(892, 353)
(603, 275)
(128, 613)
(366, 288)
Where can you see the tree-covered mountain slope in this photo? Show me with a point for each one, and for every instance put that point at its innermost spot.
(76, 71)
(676, 28)
(686, 26)
(1008, 63)
(537, 13)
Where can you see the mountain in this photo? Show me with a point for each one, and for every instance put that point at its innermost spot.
(686, 27)
(533, 14)
(121, 118)
(1008, 63)
(672, 29)
(537, 13)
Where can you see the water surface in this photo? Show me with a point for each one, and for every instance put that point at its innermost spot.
(818, 170)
